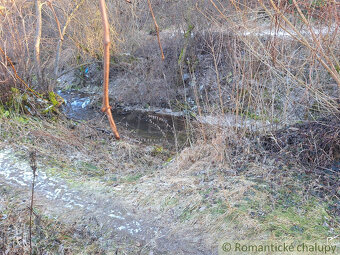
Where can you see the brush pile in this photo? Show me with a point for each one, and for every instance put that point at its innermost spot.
(315, 144)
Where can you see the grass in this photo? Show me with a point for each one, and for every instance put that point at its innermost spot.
(282, 217)
(303, 223)
(132, 178)
(288, 215)
(170, 202)
(187, 189)
(49, 235)
(275, 207)
(190, 190)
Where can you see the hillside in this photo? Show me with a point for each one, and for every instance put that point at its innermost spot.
(233, 137)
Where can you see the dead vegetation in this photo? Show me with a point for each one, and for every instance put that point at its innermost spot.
(230, 183)
(49, 236)
(314, 144)
(274, 62)
(255, 59)
(236, 191)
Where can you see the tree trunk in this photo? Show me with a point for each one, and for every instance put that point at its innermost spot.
(38, 7)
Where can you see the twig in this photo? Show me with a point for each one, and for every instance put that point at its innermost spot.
(157, 29)
(16, 74)
(320, 55)
(56, 19)
(33, 164)
(63, 32)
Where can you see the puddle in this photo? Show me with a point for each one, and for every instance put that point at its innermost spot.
(157, 126)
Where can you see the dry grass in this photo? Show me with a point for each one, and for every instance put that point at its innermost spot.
(65, 148)
(229, 185)
(276, 75)
(67, 143)
(225, 183)
(242, 196)
(49, 235)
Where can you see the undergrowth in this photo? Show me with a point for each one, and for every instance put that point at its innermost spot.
(220, 185)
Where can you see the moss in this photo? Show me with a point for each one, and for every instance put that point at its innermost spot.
(52, 98)
(55, 101)
(157, 150)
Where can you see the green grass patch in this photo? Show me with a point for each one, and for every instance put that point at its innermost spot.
(309, 221)
(169, 202)
(219, 208)
(285, 213)
(132, 178)
(187, 213)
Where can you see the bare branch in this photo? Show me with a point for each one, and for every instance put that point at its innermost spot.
(16, 74)
(60, 43)
(157, 29)
(106, 40)
(56, 19)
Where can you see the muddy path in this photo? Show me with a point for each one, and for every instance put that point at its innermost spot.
(100, 211)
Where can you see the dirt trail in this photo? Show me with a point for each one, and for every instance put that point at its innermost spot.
(97, 210)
